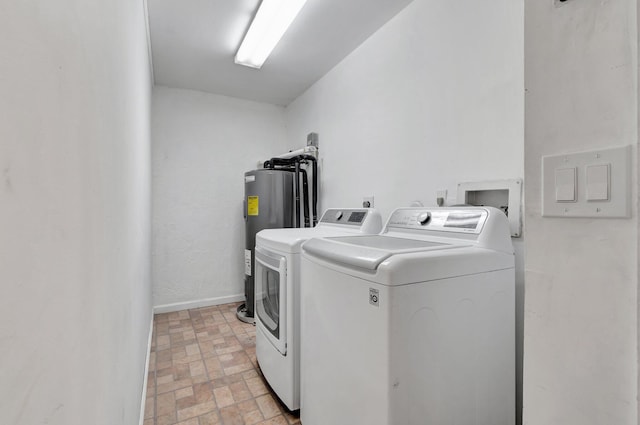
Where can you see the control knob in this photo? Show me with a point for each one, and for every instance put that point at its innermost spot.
(424, 218)
(338, 215)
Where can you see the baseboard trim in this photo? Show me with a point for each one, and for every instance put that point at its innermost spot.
(146, 373)
(207, 302)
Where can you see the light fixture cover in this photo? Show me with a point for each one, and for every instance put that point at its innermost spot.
(269, 25)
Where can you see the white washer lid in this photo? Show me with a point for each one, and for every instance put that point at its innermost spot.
(386, 242)
(290, 240)
(367, 252)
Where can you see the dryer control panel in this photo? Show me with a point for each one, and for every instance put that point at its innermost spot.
(458, 220)
(354, 217)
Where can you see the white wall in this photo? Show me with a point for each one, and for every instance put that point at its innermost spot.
(75, 310)
(432, 99)
(202, 145)
(581, 274)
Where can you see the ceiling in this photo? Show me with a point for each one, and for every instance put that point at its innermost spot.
(193, 43)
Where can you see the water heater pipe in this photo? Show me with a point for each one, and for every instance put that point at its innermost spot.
(307, 150)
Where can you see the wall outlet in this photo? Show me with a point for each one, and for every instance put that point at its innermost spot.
(312, 139)
(441, 197)
(367, 202)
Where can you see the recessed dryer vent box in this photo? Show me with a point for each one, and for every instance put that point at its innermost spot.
(505, 195)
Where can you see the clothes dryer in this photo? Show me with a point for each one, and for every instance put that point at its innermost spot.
(414, 326)
(277, 296)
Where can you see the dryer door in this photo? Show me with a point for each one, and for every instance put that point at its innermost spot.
(271, 286)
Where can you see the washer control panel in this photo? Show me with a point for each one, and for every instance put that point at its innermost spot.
(354, 217)
(463, 220)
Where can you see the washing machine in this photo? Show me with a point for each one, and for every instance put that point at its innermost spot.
(277, 297)
(414, 326)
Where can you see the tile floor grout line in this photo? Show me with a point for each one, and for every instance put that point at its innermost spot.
(206, 369)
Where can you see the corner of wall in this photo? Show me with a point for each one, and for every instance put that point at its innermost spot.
(143, 398)
(148, 31)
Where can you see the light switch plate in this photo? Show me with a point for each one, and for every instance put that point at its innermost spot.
(598, 182)
(602, 185)
(565, 184)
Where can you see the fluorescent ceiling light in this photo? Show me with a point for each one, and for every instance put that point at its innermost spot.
(269, 25)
